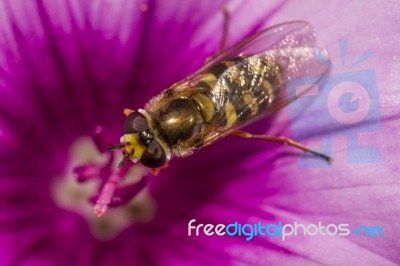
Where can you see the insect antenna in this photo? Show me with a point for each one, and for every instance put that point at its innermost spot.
(115, 147)
(124, 159)
(118, 147)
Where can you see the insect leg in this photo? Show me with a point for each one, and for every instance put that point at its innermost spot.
(224, 37)
(156, 171)
(128, 111)
(225, 30)
(281, 139)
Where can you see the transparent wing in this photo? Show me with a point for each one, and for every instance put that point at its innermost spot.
(290, 46)
(283, 36)
(289, 34)
(297, 62)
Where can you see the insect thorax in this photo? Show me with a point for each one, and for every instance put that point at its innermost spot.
(227, 96)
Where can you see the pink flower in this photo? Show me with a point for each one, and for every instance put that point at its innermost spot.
(68, 66)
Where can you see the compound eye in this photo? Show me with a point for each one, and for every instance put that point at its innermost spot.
(153, 156)
(135, 123)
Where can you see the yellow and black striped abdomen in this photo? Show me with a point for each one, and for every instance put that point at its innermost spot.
(224, 97)
(241, 90)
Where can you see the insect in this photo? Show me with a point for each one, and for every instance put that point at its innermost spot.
(237, 87)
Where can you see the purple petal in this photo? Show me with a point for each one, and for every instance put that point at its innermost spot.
(68, 66)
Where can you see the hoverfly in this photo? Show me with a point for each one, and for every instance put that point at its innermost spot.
(237, 87)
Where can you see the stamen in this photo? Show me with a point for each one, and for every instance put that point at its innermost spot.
(85, 172)
(107, 192)
(130, 200)
(124, 194)
(110, 195)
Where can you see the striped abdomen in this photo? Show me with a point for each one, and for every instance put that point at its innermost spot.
(223, 98)
(241, 91)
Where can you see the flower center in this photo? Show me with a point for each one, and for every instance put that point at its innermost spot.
(86, 176)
